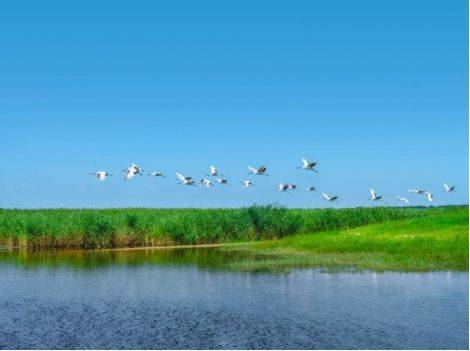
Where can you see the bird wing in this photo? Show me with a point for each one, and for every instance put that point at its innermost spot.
(373, 193)
(325, 196)
(180, 176)
(305, 162)
(262, 169)
(129, 174)
(446, 187)
(252, 169)
(213, 170)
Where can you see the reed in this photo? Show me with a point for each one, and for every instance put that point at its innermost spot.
(130, 227)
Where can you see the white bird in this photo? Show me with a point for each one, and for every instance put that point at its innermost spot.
(291, 186)
(260, 171)
(449, 188)
(428, 196)
(222, 181)
(246, 184)
(283, 187)
(374, 196)
(420, 191)
(156, 174)
(403, 199)
(330, 198)
(132, 171)
(214, 172)
(311, 188)
(309, 166)
(101, 175)
(207, 183)
(185, 180)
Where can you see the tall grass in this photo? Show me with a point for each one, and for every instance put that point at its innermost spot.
(90, 228)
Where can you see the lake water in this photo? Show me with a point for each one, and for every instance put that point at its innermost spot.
(179, 299)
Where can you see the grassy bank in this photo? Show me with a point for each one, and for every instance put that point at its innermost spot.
(435, 242)
(108, 228)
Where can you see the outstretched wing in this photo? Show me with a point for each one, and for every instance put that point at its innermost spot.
(129, 174)
(325, 196)
(213, 170)
(180, 176)
(373, 193)
(252, 169)
(305, 162)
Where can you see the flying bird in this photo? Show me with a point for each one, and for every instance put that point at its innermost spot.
(403, 199)
(222, 181)
(185, 180)
(206, 182)
(283, 187)
(374, 196)
(156, 174)
(246, 184)
(260, 171)
(329, 198)
(309, 166)
(130, 172)
(291, 186)
(420, 191)
(449, 188)
(101, 175)
(428, 196)
(214, 172)
(311, 188)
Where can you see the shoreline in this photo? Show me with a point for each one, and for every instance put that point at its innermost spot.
(130, 248)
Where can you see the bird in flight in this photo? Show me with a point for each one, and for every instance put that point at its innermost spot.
(206, 182)
(403, 199)
(156, 174)
(258, 171)
(311, 188)
(428, 196)
(283, 187)
(101, 175)
(414, 191)
(309, 166)
(185, 180)
(329, 198)
(449, 188)
(291, 187)
(222, 181)
(374, 196)
(214, 172)
(130, 172)
(246, 184)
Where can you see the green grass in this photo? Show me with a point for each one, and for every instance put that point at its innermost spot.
(108, 228)
(438, 241)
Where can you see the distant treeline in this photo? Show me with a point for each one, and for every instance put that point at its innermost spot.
(130, 227)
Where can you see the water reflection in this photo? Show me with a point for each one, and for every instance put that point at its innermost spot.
(209, 258)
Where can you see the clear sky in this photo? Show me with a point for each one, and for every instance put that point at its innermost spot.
(375, 91)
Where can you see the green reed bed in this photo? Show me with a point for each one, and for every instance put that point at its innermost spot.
(130, 227)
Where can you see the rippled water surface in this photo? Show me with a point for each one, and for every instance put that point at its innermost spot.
(178, 299)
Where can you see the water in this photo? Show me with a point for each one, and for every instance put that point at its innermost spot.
(178, 299)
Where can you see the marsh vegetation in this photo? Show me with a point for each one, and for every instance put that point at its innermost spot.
(131, 227)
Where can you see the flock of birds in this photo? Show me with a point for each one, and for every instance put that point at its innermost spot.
(130, 172)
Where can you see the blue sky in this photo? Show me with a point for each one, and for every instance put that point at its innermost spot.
(375, 91)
